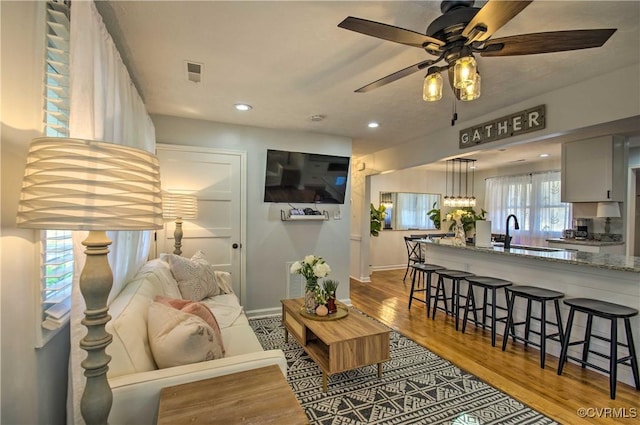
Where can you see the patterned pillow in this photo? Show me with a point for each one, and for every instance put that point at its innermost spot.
(196, 278)
(223, 278)
(200, 310)
(178, 338)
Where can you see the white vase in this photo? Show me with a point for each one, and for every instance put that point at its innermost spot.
(460, 236)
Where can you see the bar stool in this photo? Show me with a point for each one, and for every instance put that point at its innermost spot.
(486, 283)
(414, 254)
(612, 312)
(441, 294)
(541, 295)
(423, 269)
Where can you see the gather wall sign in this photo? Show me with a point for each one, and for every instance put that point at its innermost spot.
(526, 121)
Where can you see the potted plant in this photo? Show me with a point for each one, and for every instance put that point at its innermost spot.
(434, 215)
(330, 287)
(377, 219)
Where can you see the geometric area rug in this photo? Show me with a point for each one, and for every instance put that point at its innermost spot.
(417, 387)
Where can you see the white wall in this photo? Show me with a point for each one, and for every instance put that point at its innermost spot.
(34, 380)
(271, 242)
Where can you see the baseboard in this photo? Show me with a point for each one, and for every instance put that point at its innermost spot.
(362, 279)
(367, 279)
(389, 267)
(277, 311)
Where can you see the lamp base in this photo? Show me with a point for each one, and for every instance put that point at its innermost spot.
(96, 280)
(177, 235)
(607, 226)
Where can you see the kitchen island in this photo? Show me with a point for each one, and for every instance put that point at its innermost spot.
(613, 278)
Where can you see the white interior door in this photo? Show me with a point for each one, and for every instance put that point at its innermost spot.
(215, 178)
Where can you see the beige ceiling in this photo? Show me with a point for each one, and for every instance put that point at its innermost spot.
(290, 61)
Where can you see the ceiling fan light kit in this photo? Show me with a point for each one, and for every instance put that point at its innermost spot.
(470, 91)
(432, 90)
(463, 30)
(464, 72)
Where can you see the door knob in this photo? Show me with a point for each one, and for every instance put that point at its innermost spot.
(235, 246)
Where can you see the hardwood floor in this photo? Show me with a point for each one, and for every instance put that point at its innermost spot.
(515, 371)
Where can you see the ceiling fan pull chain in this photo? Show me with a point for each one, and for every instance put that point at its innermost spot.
(454, 116)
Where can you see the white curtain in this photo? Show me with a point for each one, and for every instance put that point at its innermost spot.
(104, 105)
(412, 210)
(534, 199)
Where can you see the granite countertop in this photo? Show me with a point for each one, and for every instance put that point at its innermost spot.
(604, 261)
(588, 242)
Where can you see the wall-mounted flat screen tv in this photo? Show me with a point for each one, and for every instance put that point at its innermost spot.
(297, 177)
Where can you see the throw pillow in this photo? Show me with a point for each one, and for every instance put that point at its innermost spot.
(196, 279)
(198, 309)
(178, 338)
(223, 279)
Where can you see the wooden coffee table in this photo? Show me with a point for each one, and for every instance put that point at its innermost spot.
(258, 396)
(337, 345)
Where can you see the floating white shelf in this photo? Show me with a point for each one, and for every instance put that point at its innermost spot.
(287, 216)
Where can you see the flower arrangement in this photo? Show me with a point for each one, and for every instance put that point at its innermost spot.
(312, 268)
(466, 216)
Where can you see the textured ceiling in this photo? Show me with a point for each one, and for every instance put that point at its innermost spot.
(290, 61)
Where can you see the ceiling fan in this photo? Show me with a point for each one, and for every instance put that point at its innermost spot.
(463, 30)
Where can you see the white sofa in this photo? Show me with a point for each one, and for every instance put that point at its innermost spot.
(133, 375)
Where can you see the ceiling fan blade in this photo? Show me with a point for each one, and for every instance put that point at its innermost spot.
(491, 17)
(395, 76)
(546, 42)
(390, 33)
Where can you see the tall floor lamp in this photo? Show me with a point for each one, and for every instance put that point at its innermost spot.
(74, 184)
(178, 206)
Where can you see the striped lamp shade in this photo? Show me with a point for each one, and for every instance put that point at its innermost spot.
(74, 184)
(178, 205)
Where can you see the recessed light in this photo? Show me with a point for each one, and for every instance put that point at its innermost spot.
(544, 155)
(373, 124)
(243, 107)
(317, 118)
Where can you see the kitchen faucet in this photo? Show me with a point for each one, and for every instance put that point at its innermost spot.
(507, 239)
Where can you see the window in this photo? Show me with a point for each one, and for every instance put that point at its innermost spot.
(535, 201)
(56, 246)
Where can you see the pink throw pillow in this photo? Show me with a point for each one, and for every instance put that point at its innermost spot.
(197, 309)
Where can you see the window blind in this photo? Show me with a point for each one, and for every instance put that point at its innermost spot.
(56, 106)
(57, 277)
(56, 246)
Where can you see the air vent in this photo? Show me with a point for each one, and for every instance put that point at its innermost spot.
(194, 71)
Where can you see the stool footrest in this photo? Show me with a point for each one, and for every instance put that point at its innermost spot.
(591, 365)
(601, 338)
(525, 340)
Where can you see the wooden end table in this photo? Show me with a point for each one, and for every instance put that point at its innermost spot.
(337, 345)
(258, 396)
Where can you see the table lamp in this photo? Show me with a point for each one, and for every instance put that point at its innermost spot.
(607, 210)
(74, 184)
(176, 206)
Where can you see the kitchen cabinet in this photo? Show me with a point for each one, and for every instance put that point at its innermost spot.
(593, 170)
(617, 248)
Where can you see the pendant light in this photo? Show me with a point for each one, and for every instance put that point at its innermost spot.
(459, 201)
